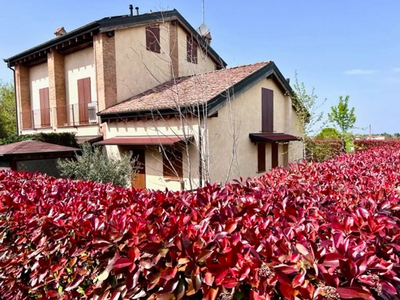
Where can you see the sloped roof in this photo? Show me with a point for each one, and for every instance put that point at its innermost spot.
(109, 24)
(29, 147)
(208, 88)
(186, 91)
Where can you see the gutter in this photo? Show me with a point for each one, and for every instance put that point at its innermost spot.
(15, 98)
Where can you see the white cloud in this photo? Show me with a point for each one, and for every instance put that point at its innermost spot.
(396, 70)
(359, 72)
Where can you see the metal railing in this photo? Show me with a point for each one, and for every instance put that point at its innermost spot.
(77, 114)
(37, 118)
(62, 116)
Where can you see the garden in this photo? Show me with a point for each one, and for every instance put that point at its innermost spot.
(328, 230)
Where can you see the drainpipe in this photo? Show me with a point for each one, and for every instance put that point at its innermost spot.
(200, 159)
(15, 97)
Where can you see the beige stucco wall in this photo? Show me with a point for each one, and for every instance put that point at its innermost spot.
(204, 62)
(139, 69)
(153, 156)
(39, 79)
(79, 65)
(229, 133)
(296, 149)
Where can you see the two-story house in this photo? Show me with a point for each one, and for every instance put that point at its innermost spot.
(153, 86)
(62, 83)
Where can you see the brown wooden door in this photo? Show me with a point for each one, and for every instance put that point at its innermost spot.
(84, 97)
(139, 179)
(44, 107)
(274, 155)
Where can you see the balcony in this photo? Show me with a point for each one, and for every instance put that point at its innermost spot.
(78, 114)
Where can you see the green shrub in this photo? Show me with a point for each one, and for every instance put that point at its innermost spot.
(94, 165)
(321, 150)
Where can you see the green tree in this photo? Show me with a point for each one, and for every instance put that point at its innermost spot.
(94, 165)
(307, 107)
(343, 117)
(8, 122)
(308, 114)
(328, 133)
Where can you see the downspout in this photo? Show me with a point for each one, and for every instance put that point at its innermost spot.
(200, 158)
(15, 98)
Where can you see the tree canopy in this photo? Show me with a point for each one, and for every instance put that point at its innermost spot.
(328, 133)
(8, 122)
(343, 117)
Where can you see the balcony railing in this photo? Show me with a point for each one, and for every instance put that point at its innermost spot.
(37, 118)
(77, 114)
(62, 116)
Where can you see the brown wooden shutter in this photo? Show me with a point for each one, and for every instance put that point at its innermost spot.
(84, 97)
(153, 38)
(44, 107)
(261, 157)
(191, 50)
(267, 108)
(172, 164)
(274, 155)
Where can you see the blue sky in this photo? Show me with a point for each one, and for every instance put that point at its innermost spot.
(338, 47)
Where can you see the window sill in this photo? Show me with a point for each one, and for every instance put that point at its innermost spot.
(170, 179)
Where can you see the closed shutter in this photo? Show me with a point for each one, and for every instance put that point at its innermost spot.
(261, 157)
(267, 109)
(153, 38)
(274, 155)
(84, 97)
(172, 164)
(44, 107)
(191, 50)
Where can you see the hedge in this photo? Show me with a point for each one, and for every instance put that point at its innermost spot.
(367, 144)
(316, 231)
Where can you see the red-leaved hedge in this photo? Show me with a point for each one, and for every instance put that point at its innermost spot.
(367, 144)
(317, 231)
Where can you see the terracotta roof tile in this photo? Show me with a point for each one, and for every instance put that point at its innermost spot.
(26, 147)
(186, 91)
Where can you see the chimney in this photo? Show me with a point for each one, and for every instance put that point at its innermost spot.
(60, 31)
(137, 10)
(131, 10)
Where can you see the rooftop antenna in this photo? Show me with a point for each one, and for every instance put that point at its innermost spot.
(203, 29)
(203, 12)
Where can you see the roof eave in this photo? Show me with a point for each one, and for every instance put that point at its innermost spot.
(52, 43)
(108, 24)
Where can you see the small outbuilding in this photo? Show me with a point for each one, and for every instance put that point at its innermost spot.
(34, 156)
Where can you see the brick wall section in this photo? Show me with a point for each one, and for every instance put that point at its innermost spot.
(57, 93)
(23, 96)
(173, 48)
(106, 73)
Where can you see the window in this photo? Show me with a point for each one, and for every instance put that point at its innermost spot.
(261, 157)
(191, 47)
(267, 109)
(44, 107)
(172, 164)
(153, 38)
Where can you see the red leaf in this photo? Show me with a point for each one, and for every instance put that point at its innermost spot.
(352, 293)
(122, 263)
(211, 294)
(298, 280)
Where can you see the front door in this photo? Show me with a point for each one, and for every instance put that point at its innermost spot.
(139, 177)
(274, 155)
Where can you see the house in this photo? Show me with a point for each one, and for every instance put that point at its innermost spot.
(151, 85)
(214, 126)
(62, 83)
